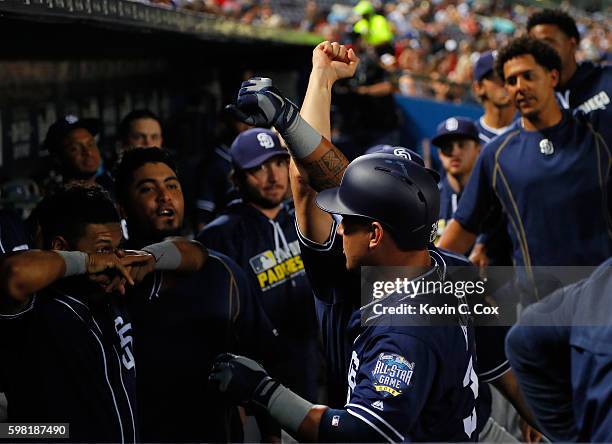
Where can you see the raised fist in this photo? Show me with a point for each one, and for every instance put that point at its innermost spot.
(261, 104)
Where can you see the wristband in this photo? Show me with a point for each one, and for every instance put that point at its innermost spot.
(76, 262)
(288, 408)
(302, 139)
(167, 255)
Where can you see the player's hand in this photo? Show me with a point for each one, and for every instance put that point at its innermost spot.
(479, 257)
(138, 263)
(529, 434)
(334, 61)
(242, 379)
(261, 104)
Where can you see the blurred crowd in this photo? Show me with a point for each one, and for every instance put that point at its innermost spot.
(429, 45)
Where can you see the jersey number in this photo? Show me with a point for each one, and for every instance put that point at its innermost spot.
(352, 375)
(470, 380)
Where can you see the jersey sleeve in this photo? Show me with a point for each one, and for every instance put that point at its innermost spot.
(325, 265)
(478, 198)
(392, 385)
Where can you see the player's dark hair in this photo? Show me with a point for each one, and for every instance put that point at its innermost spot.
(134, 159)
(554, 17)
(67, 212)
(543, 54)
(123, 131)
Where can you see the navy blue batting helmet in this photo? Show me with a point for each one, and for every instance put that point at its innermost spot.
(400, 194)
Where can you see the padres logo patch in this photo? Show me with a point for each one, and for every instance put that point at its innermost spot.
(391, 374)
(275, 268)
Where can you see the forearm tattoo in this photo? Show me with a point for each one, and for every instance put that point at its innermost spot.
(327, 171)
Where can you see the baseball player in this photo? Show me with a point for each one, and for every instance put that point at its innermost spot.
(140, 128)
(71, 142)
(400, 378)
(499, 113)
(562, 195)
(258, 232)
(183, 322)
(584, 86)
(494, 247)
(458, 146)
(560, 351)
(493, 366)
(324, 164)
(67, 340)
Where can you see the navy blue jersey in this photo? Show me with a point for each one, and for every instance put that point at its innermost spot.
(67, 359)
(449, 200)
(562, 357)
(552, 185)
(487, 133)
(589, 91)
(183, 322)
(269, 252)
(337, 293)
(414, 382)
(12, 232)
(214, 187)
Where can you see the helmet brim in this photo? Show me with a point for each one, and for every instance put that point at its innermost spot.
(330, 202)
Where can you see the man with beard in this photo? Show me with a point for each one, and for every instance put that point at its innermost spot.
(550, 174)
(184, 324)
(65, 336)
(258, 232)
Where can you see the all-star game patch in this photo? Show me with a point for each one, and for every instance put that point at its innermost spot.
(391, 374)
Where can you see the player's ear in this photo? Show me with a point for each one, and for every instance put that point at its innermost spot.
(554, 76)
(60, 243)
(376, 234)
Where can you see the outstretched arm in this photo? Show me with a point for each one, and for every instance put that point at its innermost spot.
(317, 163)
(24, 273)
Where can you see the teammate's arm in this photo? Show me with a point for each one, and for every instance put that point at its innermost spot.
(456, 238)
(24, 273)
(508, 385)
(245, 381)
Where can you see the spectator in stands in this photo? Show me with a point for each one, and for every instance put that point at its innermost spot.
(72, 143)
(367, 114)
(259, 234)
(374, 28)
(140, 128)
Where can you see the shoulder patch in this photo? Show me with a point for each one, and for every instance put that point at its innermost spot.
(392, 374)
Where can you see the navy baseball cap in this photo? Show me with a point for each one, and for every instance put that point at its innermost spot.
(60, 129)
(484, 65)
(406, 153)
(453, 127)
(254, 146)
